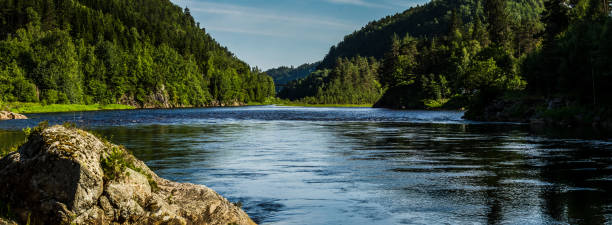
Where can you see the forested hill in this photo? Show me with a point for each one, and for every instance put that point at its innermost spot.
(146, 53)
(504, 60)
(430, 20)
(426, 55)
(283, 75)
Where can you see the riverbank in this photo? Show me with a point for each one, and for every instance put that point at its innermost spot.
(24, 108)
(539, 111)
(19, 107)
(326, 105)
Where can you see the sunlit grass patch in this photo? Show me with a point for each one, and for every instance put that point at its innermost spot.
(18, 107)
(326, 105)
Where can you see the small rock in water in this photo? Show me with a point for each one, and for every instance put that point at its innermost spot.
(5, 115)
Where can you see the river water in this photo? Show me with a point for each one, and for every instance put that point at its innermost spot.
(292, 165)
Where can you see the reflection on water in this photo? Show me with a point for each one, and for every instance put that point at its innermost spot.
(367, 166)
(10, 139)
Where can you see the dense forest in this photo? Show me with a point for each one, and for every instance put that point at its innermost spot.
(474, 54)
(350, 81)
(145, 53)
(427, 53)
(283, 75)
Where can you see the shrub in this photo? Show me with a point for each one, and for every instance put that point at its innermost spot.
(115, 164)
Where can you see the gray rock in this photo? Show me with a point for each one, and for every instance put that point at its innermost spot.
(58, 177)
(4, 221)
(4, 115)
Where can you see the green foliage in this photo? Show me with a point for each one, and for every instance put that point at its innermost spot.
(435, 103)
(69, 125)
(471, 50)
(351, 81)
(433, 20)
(284, 75)
(20, 107)
(130, 52)
(41, 126)
(575, 59)
(27, 131)
(114, 166)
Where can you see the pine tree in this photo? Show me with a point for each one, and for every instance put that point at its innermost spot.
(499, 25)
(48, 19)
(555, 18)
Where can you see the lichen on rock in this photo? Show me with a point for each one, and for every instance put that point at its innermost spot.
(64, 175)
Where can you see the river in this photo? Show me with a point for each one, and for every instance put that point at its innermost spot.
(293, 165)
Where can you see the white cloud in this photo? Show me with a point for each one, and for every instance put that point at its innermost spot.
(358, 3)
(268, 35)
(246, 31)
(385, 4)
(244, 20)
(257, 14)
(407, 3)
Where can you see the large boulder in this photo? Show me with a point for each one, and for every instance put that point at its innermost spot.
(4, 115)
(65, 175)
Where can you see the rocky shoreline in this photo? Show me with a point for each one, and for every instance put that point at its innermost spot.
(5, 115)
(553, 112)
(64, 175)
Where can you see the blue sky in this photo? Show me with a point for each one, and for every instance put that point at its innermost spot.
(272, 33)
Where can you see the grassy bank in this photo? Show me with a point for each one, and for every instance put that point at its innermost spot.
(18, 107)
(325, 105)
(285, 102)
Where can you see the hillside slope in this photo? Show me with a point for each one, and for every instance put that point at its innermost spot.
(283, 75)
(429, 54)
(146, 53)
(430, 20)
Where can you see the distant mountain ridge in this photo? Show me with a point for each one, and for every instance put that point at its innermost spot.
(283, 75)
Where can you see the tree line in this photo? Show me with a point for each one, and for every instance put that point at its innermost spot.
(467, 54)
(350, 81)
(283, 75)
(146, 53)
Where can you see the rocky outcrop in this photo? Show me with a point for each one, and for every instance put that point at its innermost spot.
(160, 99)
(234, 103)
(4, 115)
(4, 221)
(68, 176)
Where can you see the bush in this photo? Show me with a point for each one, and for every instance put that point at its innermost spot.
(115, 164)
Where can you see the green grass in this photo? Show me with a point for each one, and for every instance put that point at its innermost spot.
(18, 107)
(258, 103)
(435, 104)
(267, 101)
(325, 105)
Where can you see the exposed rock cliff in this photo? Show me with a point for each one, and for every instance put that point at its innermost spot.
(4, 115)
(68, 176)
